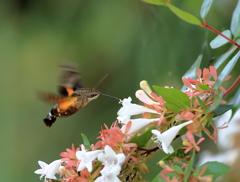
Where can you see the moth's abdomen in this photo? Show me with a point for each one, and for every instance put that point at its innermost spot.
(50, 119)
(66, 108)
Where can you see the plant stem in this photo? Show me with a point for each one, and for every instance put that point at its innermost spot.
(232, 86)
(204, 24)
(149, 150)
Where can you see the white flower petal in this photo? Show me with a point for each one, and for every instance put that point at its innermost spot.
(49, 170)
(156, 132)
(124, 119)
(167, 149)
(52, 169)
(130, 109)
(121, 158)
(81, 166)
(109, 155)
(111, 172)
(137, 124)
(86, 158)
(112, 162)
(42, 164)
(167, 137)
(38, 171)
(100, 179)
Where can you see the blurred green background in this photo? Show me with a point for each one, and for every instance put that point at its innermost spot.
(127, 39)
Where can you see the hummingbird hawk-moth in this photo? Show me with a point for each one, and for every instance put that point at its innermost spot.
(72, 94)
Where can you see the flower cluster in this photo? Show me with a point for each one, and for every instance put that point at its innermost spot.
(77, 162)
(122, 150)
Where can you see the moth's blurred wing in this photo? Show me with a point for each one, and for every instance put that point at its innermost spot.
(69, 79)
(61, 100)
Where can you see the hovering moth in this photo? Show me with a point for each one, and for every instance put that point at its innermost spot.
(72, 94)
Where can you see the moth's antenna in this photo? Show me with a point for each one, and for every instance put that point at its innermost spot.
(111, 96)
(100, 81)
(102, 93)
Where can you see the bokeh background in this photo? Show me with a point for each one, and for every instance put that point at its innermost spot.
(127, 39)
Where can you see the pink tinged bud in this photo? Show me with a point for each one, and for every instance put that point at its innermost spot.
(142, 96)
(157, 98)
(206, 75)
(161, 163)
(127, 127)
(143, 167)
(190, 136)
(199, 73)
(213, 71)
(228, 77)
(185, 143)
(144, 85)
(187, 115)
(187, 82)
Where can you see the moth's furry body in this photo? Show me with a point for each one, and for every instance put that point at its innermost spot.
(67, 106)
(73, 96)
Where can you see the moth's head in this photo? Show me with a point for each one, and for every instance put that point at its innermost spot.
(92, 94)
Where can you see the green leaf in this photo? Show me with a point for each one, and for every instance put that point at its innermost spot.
(236, 103)
(134, 138)
(224, 57)
(209, 121)
(201, 103)
(156, 2)
(158, 178)
(214, 168)
(216, 103)
(189, 167)
(225, 72)
(219, 40)
(175, 99)
(206, 5)
(221, 109)
(236, 99)
(192, 72)
(142, 140)
(172, 107)
(184, 15)
(235, 24)
(203, 87)
(178, 169)
(86, 141)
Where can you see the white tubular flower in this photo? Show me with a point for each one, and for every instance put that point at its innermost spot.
(113, 163)
(142, 96)
(109, 174)
(167, 137)
(137, 124)
(124, 119)
(130, 109)
(48, 170)
(86, 158)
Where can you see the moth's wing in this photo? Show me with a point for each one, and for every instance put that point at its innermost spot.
(69, 79)
(52, 98)
(62, 101)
